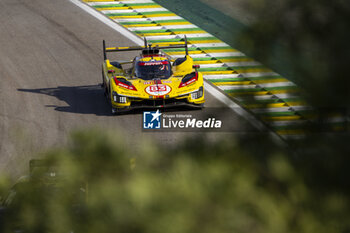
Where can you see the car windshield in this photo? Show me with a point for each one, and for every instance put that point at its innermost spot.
(153, 70)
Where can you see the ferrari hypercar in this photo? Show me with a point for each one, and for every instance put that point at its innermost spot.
(153, 80)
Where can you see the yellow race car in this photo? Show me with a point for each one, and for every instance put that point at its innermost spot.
(151, 81)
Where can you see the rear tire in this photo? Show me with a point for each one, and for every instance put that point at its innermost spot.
(103, 79)
(104, 86)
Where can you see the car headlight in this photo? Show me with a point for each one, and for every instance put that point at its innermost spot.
(122, 99)
(114, 96)
(194, 95)
(197, 94)
(117, 98)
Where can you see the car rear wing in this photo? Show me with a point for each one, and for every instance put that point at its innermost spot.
(146, 49)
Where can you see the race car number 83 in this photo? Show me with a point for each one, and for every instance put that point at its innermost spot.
(159, 89)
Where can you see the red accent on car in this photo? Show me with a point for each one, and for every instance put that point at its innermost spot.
(196, 66)
(151, 55)
(125, 85)
(157, 82)
(192, 80)
(153, 63)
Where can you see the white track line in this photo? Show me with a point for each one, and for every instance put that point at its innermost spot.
(201, 55)
(149, 19)
(274, 96)
(243, 63)
(236, 87)
(214, 65)
(277, 109)
(260, 74)
(265, 97)
(197, 35)
(139, 10)
(209, 45)
(192, 55)
(257, 97)
(118, 2)
(279, 84)
(286, 96)
(109, 22)
(228, 64)
(302, 108)
(227, 54)
(176, 26)
(164, 27)
(221, 76)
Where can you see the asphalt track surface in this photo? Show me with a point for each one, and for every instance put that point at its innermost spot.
(50, 70)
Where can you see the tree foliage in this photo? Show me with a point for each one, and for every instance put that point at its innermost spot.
(307, 41)
(103, 185)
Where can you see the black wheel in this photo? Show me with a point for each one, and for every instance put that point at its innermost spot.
(107, 95)
(103, 79)
(104, 86)
(105, 92)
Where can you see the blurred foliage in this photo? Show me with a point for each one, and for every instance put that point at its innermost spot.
(101, 184)
(306, 41)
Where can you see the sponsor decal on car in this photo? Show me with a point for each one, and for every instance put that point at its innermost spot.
(125, 84)
(158, 89)
(156, 63)
(188, 82)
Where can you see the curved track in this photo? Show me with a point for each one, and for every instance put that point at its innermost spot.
(50, 56)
